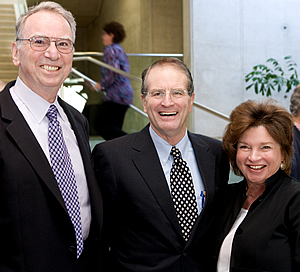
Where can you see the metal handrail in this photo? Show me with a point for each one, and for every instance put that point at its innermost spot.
(103, 64)
(74, 71)
(214, 112)
(100, 54)
(98, 62)
(138, 110)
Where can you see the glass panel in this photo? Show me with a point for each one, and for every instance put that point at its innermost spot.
(20, 8)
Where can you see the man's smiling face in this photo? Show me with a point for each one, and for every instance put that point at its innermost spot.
(168, 115)
(43, 72)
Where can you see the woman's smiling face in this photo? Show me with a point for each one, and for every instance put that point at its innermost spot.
(258, 155)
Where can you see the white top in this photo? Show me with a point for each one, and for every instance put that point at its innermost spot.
(225, 251)
(34, 108)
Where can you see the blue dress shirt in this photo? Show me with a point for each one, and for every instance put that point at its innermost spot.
(163, 149)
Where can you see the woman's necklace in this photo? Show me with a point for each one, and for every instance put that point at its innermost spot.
(250, 194)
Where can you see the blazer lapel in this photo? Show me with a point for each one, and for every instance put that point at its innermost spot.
(148, 164)
(23, 137)
(206, 165)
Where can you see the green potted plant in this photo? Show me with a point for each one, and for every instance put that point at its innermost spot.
(267, 78)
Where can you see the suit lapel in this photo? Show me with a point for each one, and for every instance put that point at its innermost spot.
(206, 165)
(148, 164)
(25, 140)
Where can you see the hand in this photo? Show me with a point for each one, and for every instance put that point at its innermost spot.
(93, 87)
(97, 87)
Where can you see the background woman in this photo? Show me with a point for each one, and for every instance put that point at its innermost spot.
(119, 93)
(260, 225)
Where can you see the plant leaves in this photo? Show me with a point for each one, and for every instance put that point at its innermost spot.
(256, 87)
(248, 87)
(265, 79)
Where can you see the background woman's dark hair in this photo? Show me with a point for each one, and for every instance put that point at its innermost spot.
(275, 118)
(117, 29)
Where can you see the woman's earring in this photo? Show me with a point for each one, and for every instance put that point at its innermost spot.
(282, 166)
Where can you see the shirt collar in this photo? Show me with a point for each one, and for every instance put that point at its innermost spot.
(37, 105)
(164, 148)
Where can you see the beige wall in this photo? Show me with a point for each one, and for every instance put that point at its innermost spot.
(154, 26)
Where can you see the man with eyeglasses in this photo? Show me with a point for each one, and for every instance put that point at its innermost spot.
(159, 185)
(50, 203)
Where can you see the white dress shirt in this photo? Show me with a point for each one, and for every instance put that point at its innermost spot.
(34, 108)
(163, 149)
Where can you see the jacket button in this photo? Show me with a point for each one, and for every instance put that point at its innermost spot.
(72, 248)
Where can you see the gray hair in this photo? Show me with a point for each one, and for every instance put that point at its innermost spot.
(46, 6)
(168, 61)
(295, 101)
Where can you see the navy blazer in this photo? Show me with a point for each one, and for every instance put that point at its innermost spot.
(36, 232)
(141, 225)
(295, 173)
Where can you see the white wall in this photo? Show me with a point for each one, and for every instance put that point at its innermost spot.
(228, 39)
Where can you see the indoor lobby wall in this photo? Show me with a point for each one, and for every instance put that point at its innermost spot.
(151, 26)
(228, 39)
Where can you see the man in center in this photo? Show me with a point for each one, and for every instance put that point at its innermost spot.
(159, 185)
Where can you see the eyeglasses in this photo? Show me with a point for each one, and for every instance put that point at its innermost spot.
(175, 94)
(41, 44)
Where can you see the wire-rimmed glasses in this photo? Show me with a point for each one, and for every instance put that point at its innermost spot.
(160, 94)
(41, 44)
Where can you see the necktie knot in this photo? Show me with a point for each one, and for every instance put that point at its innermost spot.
(175, 152)
(52, 113)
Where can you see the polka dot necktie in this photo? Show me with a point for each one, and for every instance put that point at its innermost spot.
(64, 174)
(183, 193)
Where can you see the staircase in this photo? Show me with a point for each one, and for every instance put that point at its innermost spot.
(8, 71)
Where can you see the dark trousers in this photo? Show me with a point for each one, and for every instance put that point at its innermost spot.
(90, 259)
(110, 119)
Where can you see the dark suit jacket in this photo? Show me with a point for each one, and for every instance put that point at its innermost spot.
(295, 173)
(141, 225)
(36, 233)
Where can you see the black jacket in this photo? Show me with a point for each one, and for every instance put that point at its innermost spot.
(269, 237)
(296, 157)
